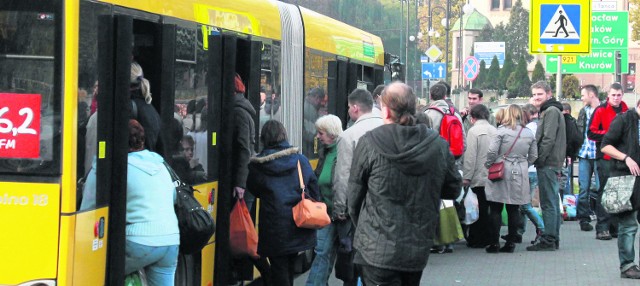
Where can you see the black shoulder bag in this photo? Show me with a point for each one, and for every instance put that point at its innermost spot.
(196, 223)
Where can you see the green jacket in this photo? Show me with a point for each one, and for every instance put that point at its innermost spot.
(551, 135)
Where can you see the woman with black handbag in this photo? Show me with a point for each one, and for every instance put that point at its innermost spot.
(514, 147)
(621, 142)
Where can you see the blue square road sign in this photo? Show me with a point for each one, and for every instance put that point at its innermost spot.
(434, 70)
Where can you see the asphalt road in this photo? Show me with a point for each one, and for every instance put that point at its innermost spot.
(581, 260)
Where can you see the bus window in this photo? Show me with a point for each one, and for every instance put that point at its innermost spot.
(30, 49)
(189, 148)
(270, 104)
(315, 99)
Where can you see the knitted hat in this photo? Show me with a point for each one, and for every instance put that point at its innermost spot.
(239, 86)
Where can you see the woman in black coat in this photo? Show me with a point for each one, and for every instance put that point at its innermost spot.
(274, 179)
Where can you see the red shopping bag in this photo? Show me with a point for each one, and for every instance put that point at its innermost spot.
(243, 238)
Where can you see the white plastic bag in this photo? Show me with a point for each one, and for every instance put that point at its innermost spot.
(471, 208)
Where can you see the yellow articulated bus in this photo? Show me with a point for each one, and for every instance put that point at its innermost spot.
(64, 107)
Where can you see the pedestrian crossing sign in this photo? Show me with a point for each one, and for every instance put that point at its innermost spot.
(560, 28)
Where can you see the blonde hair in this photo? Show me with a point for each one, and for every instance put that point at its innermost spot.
(512, 116)
(500, 115)
(137, 78)
(330, 124)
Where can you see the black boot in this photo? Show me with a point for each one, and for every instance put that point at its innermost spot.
(493, 248)
(508, 247)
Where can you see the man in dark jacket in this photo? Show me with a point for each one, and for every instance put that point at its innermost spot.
(551, 138)
(602, 118)
(243, 140)
(401, 170)
(621, 144)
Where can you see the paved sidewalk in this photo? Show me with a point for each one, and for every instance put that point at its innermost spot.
(581, 260)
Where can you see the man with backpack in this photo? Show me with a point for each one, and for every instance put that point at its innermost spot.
(448, 124)
(574, 140)
(444, 120)
(602, 118)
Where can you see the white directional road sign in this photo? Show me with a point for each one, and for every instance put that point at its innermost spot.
(434, 70)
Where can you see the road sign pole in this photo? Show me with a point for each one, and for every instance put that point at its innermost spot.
(618, 61)
(559, 78)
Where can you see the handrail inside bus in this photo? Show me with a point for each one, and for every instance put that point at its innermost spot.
(27, 57)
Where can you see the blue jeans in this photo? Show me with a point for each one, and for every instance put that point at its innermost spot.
(550, 203)
(528, 210)
(565, 182)
(586, 168)
(159, 262)
(325, 250)
(627, 228)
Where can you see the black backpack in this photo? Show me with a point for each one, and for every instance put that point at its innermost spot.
(574, 137)
(196, 223)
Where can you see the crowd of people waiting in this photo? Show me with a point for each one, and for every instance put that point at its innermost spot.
(384, 177)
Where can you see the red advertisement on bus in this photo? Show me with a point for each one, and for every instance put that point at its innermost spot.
(20, 125)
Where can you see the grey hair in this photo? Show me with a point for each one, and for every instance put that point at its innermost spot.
(330, 124)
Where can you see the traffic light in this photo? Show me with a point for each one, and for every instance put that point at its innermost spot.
(397, 71)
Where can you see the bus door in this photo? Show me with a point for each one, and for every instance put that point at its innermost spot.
(100, 224)
(123, 37)
(140, 39)
(229, 55)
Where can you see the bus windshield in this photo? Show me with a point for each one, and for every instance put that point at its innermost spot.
(30, 115)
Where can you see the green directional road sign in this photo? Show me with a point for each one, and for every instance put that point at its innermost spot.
(599, 61)
(609, 33)
(610, 30)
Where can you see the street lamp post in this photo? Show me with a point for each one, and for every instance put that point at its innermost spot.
(445, 24)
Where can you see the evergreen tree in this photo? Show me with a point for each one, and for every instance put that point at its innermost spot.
(482, 75)
(493, 75)
(499, 33)
(538, 72)
(570, 87)
(506, 71)
(552, 83)
(486, 34)
(512, 84)
(519, 83)
(517, 32)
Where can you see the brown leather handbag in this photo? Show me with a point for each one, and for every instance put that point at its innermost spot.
(309, 213)
(496, 170)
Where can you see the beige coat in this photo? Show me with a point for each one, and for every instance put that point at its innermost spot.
(478, 139)
(514, 189)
